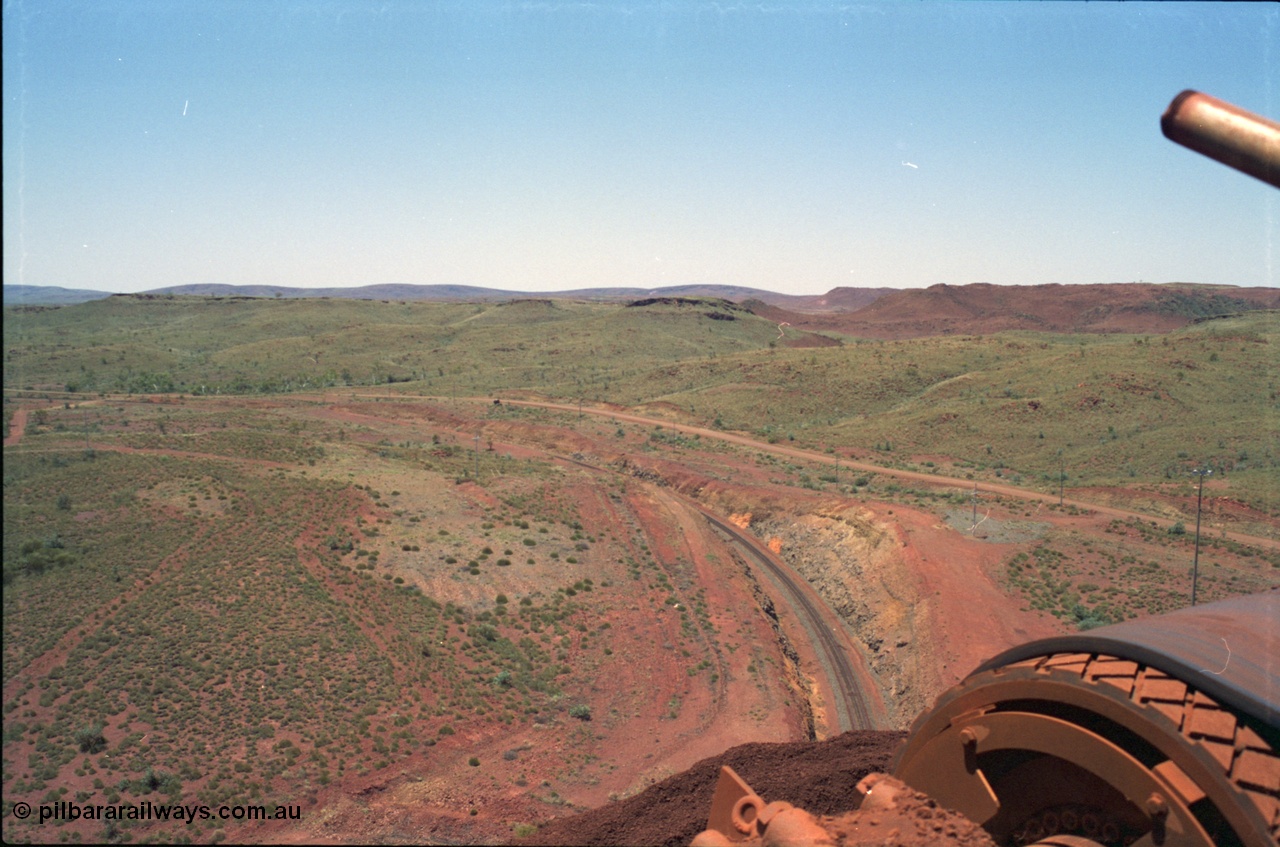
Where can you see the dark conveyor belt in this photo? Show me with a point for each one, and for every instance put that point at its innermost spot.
(1230, 650)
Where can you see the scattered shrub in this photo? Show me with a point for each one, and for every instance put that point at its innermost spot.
(90, 739)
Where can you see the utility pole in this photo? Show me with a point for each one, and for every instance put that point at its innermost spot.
(477, 456)
(974, 529)
(1195, 562)
(1062, 477)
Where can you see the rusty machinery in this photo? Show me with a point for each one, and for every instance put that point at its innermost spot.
(1163, 731)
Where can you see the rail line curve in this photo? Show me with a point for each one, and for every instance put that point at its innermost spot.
(834, 657)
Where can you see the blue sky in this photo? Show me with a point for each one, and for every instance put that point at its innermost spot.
(549, 146)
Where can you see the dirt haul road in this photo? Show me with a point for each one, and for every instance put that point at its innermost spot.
(1266, 542)
(914, 476)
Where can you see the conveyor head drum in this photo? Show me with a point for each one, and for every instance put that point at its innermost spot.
(1162, 731)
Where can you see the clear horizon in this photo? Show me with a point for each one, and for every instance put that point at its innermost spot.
(548, 147)
(550, 291)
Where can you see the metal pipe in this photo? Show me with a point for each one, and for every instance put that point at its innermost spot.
(1242, 140)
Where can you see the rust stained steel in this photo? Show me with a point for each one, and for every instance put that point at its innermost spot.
(1239, 139)
(730, 789)
(1141, 733)
(738, 814)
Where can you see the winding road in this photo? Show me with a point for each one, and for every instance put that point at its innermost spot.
(1270, 543)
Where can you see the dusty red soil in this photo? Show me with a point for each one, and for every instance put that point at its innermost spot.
(679, 533)
(1217, 506)
(942, 574)
(638, 736)
(819, 776)
(925, 578)
(956, 576)
(17, 426)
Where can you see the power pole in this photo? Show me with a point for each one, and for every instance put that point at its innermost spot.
(477, 456)
(1195, 562)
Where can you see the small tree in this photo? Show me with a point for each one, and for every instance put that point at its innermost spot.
(90, 739)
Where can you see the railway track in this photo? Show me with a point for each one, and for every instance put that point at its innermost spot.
(851, 707)
(835, 658)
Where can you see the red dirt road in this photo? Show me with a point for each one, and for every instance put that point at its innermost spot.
(17, 427)
(912, 476)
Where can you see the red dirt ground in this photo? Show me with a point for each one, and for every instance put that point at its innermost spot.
(645, 678)
(17, 426)
(820, 777)
(954, 581)
(944, 578)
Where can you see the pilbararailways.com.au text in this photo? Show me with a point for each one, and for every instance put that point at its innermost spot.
(147, 811)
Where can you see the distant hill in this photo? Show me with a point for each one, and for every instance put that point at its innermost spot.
(836, 300)
(49, 295)
(975, 309)
(364, 292)
(844, 299)
(982, 308)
